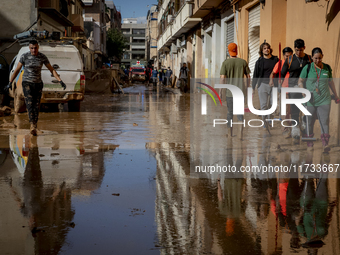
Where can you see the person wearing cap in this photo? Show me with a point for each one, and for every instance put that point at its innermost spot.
(233, 71)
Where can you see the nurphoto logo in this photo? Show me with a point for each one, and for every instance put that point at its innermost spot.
(238, 104)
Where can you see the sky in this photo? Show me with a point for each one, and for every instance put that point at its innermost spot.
(134, 8)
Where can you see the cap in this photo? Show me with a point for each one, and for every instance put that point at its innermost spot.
(232, 48)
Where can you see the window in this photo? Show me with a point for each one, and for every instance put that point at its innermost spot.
(138, 31)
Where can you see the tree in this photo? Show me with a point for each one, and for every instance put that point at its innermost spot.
(116, 42)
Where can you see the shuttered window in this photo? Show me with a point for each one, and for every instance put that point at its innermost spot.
(253, 36)
(230, 32)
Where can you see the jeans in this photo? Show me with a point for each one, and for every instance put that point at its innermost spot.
(32, 93)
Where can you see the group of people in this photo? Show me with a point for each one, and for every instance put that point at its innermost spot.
(297, 69)
(164, 76)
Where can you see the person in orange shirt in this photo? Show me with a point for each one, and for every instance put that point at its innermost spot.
(287, 52)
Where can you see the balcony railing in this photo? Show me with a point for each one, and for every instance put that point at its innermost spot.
(181, 24)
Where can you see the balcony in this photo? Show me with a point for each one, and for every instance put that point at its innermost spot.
(204, 7)
(181, 24)
(52, 9)
(78, 23)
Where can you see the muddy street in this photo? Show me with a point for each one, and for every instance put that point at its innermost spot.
(120, 177)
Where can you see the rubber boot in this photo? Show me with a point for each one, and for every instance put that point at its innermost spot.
(325, 141)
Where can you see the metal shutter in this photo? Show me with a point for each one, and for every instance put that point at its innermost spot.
(253, 36)
(230, 31)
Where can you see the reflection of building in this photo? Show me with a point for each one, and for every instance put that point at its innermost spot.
(135, 34)
(36, 202)
(151, 35)
(199, 216)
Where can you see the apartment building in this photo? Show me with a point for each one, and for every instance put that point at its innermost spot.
(151, 35)
(115, 16)
(53, 16)
(96, 18)
(135, 34)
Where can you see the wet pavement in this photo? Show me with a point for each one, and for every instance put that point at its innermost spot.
(115, 178)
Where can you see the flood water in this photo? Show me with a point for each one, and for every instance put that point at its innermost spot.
(115, 178)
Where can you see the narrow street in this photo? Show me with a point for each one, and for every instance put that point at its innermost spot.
(115, 178)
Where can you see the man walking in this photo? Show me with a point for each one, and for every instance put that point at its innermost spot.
(154, 77)
(232, 72)
(32, 84)
(263, 69)
(168, 76)
(184, 74)
(294, 65)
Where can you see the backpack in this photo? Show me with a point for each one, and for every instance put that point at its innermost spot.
(184, 69)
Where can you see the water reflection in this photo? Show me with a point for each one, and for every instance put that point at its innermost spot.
(181, 213)
(282, 213)
(38, 178)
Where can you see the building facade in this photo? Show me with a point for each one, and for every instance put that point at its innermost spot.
(53, 16)
(135, 34)
(115, 16)
(151, 35)
(96, 18)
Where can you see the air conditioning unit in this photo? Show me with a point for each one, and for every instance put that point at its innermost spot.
(170, 18)
(173, 48)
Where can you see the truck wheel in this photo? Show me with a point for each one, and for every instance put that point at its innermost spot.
(74, 106)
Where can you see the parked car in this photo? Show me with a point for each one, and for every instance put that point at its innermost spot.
(67, 61)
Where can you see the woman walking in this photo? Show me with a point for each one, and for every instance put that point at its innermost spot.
(319, 82)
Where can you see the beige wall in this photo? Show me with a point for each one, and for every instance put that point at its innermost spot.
(199, 70)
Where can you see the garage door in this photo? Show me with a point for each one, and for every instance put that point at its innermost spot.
(253, 36)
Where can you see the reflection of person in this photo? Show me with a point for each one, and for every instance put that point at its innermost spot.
(294, 66)
(315, 213)
(32, 84)
(46, 206)
(319, 81)
(232, 71)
